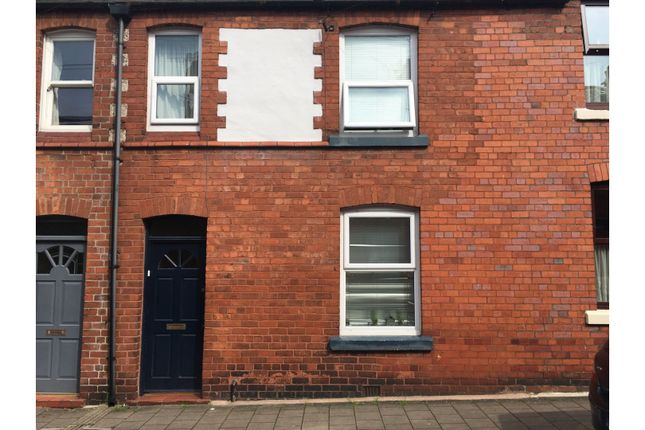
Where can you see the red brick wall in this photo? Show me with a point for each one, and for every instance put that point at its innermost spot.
(507, 266)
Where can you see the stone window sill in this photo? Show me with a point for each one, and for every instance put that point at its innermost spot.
(584, 114)
(380, 343)
(597, 317)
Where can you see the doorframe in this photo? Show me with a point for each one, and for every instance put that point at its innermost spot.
(150, 239)
(81, 331)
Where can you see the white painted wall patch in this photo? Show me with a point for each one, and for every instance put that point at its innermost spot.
(270, 85)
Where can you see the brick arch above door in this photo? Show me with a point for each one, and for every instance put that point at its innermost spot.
(64, 205)
(174, 206)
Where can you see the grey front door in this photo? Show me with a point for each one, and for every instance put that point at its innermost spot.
(59, 297)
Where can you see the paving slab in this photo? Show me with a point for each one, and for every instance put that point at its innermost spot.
(569, 413)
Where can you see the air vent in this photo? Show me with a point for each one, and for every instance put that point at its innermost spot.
(372, 390)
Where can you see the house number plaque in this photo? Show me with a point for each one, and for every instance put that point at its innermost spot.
(176, 326)
(55, 332)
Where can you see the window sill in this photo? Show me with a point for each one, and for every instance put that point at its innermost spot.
(584, 114)
(66, 129)
(380, 343)
(349, 141)
(597, 317)
(164, 128)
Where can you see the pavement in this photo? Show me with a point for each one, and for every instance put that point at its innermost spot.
(570, 413)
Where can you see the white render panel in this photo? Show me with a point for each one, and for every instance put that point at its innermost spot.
(270, 85)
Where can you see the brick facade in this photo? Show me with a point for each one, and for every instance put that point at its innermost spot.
(503, 189)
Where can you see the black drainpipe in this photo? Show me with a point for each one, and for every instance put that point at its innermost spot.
(121, 12)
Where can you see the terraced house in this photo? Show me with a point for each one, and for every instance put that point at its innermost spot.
(319, 198)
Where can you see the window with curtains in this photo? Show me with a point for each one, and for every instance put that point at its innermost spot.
(600, 211)
(67, 81)
(595, 29)
(378, 79)
(380, 272)
(174, 77)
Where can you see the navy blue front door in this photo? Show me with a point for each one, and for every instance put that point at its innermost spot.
(173, 315)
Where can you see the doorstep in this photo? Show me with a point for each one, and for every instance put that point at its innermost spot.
(169, 398)
(64, 401)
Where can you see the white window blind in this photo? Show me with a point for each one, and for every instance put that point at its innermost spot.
(378, 105)
(377, 58)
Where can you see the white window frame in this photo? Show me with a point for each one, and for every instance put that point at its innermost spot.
(172, 124)
(411, 84)
(47, 84)
(412, 267)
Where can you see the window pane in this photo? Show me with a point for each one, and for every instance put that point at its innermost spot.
(73, 60)
(72, 106)
(597, 24)
(597, 78)
(601, 213)
(379, 240)
(379, 105)
(602, 272)
(380, 299)
(176, 55)
(377, 57)
(175, 101)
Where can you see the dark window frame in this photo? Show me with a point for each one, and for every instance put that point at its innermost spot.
(599, 237)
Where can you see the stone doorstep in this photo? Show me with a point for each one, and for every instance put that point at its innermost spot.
(168, 399)
(59, 401)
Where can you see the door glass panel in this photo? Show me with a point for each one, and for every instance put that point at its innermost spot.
(54, 253)
(75, 265)
(178, 258)
(188, 260)
(169, 260)
(73, 260)
(43, 265)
